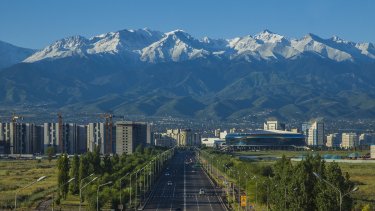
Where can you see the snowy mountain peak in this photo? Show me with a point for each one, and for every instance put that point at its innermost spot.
(146, 45)
(70, 46)
(269, 37)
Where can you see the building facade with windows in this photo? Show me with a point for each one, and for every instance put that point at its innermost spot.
(130, 135)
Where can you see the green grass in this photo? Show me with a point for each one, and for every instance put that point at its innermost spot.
(364, 175)
(16, 174)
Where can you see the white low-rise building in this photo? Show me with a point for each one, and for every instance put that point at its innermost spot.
(211, 142)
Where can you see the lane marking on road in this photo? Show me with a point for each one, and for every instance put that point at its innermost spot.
(174, 189)
(209, 202)
(196, 199)
(184, 186)
(162, 194)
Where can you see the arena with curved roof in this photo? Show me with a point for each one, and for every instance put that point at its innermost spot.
(271, 138)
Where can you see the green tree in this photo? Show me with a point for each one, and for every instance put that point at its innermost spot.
(139, 149)
(95, 160)
(280, 184)
(63, 174)
(50, 153)
(327, 198)
(367, 207)
(107, 164)
(84, 167)
(74, 173)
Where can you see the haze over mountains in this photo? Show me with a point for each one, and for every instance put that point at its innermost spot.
(154, 73)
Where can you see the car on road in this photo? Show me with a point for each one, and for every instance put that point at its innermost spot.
(201, 191)
(169, 183)
(167, 174)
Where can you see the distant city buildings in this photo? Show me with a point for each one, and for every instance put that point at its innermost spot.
(349, 140)
(71, 138)
(17, 137)
(184, 137)
(333, 140)
(163, 140)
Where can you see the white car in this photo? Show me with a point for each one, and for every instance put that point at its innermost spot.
(167, 174)
(169, 183)
(201, 191)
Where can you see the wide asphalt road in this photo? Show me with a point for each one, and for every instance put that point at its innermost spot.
(178, 188)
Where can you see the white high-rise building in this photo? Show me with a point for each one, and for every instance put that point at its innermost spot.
(349, 140)
(315, 136)
(51, 136)
(95, 136)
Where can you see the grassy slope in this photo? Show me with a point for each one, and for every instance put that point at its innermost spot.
(15, 174)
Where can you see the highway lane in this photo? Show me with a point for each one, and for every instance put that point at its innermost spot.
(180, 189)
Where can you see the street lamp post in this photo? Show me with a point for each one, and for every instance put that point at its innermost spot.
(121, 190)
(53, 195)
(15, 197)
(239, 190)
(336, 189)
(267, 193)
(80, 187)
(80, 191)
(97, 194)
(256, 189)
(246, 191)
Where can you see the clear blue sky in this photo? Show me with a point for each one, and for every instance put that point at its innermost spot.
(37, 23)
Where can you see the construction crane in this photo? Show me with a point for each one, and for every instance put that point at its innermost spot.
(108, 131)
(60, 121)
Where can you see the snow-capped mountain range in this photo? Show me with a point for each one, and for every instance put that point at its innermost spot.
(145, 45)
(152, 73)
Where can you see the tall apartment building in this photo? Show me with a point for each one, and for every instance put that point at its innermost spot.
(99, 135)
(129, 135)
(33, 138)
(273, 125)
(5, 138)
(314, 133)
(333, 140)
(72, 139)
(75, 138)
(349, 140)
(95, 136)
(20, 138)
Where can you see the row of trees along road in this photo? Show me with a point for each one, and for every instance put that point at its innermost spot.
(297, 186)
(287, 185)
(106, 169)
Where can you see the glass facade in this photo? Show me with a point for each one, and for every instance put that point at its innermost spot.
(265, 138)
